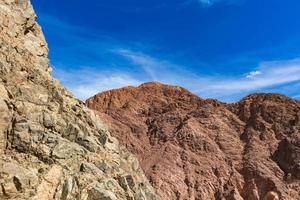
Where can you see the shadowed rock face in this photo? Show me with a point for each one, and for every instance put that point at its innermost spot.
(51, 145)
(192, 148)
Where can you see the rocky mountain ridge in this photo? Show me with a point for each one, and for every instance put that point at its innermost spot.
(51, 145)
(191, 148)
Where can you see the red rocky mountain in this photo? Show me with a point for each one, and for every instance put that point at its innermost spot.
(191, 148)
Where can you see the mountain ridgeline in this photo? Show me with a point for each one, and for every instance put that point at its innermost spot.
(149, 142)
(191, 148)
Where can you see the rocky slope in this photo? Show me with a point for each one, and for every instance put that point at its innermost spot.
(192, 148)
(51, 145)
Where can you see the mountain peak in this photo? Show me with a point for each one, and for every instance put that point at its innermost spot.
(186, 145)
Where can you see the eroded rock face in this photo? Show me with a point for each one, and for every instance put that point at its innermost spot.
(288, 157)
(192, 148)
(51, 145)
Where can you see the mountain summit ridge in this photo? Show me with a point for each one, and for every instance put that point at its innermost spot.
(191, 148)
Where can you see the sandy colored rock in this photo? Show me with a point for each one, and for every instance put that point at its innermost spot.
(47, 135)
(191, 148)
(47, 188)
(271, 196)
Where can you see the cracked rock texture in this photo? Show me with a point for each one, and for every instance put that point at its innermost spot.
(192, 148)
(51, 145)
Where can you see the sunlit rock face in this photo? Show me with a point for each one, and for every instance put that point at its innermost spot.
(192, 148)
(51, 145)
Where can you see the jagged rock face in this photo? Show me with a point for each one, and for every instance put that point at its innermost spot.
(192, 148)
(51, 145)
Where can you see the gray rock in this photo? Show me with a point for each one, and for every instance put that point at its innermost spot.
(68, 189)
(4, 120)
(20, 176)
(103, 166)
(91, 168)
(48, 120)
(127, 182)
(102, 137)
(97, 193)
(65, 149)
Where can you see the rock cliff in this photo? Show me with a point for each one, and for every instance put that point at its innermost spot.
(192, 148)
(51, 145)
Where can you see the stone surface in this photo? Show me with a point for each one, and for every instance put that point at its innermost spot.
(271, 196)
(51, 145)
(192, 148)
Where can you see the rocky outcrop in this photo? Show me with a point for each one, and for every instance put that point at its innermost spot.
(192, 148)
(51, 145)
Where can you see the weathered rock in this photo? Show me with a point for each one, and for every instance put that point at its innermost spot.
(192, 148)
(4, 125)
(91, 168)
(98, 193)
(288, 157)
(66, 149)
(69, 189)
(51, 180)
(271, 196)
(16, 179)
(49, 140)
(127, 182)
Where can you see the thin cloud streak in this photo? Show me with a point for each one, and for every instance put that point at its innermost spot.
(268, 75)
(271, 74)
(141, 67)
(147, 63)
(253, 74)
(208, 3)
(87, 82)
(156, 69)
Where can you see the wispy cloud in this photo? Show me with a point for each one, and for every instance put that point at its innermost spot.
(267, 76)
(156, 69)
(58, 24)
(208, 3)
(87, 82)
(271, 74)
(147, 63)
(253, 74)
(135, 67)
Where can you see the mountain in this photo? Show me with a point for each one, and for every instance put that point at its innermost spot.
(191, 148)
(51, 145)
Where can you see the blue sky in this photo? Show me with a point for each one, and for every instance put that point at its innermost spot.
(222, 49)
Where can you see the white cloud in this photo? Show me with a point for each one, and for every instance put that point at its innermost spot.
(253, 74)
(205, 1)
(272, 74)
(157, 69)
(87, 82)
(148, 63)
(208, 3)
(266, 75)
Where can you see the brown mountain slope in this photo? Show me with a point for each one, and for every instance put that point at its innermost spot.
(192, 148)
